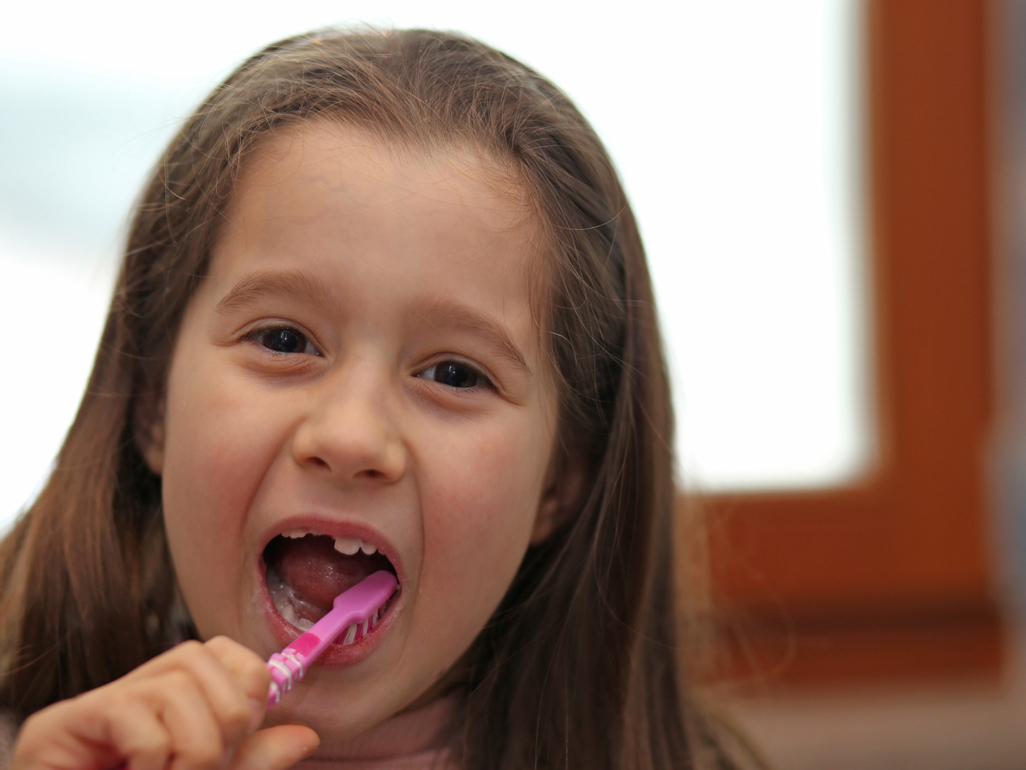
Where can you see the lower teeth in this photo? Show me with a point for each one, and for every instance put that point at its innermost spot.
(285, 601)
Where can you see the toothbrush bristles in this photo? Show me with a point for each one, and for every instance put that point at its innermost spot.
(359, 629)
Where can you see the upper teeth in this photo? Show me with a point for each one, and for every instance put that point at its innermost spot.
(347, 545)
(350, 545)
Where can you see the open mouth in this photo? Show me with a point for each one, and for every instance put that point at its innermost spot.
(307, 570)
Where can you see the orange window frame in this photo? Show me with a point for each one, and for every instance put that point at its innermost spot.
(892, 576)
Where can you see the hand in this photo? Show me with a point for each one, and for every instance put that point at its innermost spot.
(197, 706)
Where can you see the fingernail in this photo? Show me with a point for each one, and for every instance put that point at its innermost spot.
(256, 710)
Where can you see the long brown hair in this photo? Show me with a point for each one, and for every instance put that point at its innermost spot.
(581, 665)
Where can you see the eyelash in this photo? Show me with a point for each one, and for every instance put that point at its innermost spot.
(260, 337)
(483, 381)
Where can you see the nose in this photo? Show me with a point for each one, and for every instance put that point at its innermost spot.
(351, 431)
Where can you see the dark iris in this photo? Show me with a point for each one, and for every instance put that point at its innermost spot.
(455, 375)
(283, 340)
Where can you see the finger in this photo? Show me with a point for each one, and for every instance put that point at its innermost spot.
(137, 736)
(276, 748)
(228, 674)
(223, 686)
(248, 669)
(196, 737)
(93, 732)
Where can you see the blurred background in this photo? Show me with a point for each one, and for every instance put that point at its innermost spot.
(741, 154)
(831, 194)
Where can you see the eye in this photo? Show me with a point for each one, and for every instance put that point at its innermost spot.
(283, 339)
(456, 374)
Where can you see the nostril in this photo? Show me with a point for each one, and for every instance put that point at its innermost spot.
(350, 449)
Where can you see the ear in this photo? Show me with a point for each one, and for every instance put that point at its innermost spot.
(563, 493)
(149, 431)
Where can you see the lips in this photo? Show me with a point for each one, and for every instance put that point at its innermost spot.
(305, 564)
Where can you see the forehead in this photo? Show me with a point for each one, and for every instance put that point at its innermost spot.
(346, 160)
(358, 193)
(463, 198)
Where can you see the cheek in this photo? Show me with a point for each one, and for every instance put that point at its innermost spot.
(494, 484)
(215, 450)
(478, 524)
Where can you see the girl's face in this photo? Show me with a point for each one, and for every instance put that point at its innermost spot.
(361, 362)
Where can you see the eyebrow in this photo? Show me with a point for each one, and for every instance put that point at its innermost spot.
(291, 284)
(297, 285)
(452, 315)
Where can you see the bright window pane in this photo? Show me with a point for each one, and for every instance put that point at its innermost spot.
(734, 125)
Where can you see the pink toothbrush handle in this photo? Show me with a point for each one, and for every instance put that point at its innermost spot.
(352, 607)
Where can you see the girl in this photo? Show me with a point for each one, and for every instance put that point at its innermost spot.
(383, 290)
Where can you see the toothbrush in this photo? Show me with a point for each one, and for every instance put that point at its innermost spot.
(354, 612)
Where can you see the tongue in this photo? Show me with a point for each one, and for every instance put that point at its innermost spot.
(315, 570)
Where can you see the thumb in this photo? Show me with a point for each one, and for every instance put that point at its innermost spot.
(275, 748)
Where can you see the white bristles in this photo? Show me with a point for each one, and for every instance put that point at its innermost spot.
(350, 635)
